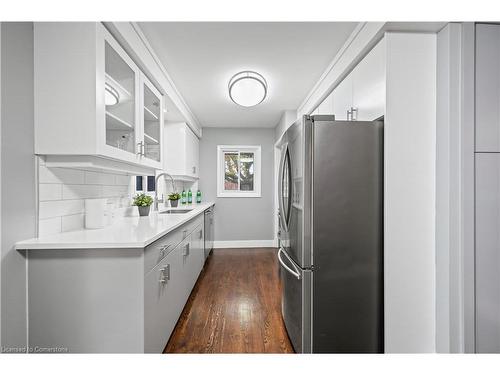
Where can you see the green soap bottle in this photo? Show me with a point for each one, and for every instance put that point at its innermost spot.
(190, 197)
(198, 196)
(183, 197)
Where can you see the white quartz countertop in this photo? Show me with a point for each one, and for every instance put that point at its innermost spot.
(126, 233)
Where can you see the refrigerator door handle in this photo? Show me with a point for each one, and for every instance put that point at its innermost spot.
(280, 187)
(295, 272)
(281, 212)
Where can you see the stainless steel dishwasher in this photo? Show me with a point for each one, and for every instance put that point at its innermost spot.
(209, 230)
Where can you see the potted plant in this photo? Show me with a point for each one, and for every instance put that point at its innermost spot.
(143, 203)
(174, 199)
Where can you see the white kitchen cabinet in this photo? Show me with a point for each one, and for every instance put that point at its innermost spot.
(123, 300)
(342, 98)
(368, 85)
(181, 150)
(198, 240)
(151, 139)
(326, 106)
(167, 288)
(77, 68)
(163, 298)
(192, 259)
(362, 91)
(487, 88)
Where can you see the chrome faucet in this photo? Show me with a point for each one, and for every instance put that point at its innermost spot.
(162, 200)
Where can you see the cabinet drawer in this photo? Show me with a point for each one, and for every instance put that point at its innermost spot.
(156, 251)
(191, 225)
(159, 249)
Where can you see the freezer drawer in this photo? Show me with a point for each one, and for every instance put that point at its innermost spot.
(296, 302)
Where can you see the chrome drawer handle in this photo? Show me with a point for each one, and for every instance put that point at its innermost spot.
(164, 274)
(163, 249)
(186, 250)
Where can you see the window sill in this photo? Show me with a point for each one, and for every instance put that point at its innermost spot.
(239, 195)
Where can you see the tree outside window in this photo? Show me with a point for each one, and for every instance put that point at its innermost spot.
(241, 171)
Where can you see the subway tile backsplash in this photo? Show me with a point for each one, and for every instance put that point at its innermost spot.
(62, 194)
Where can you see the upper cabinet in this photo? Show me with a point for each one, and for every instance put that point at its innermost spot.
(342, 99)
(152, 120)
(326, 106)
(181, 151)
(368, 85)
(93, 105)
(487, 88)
(361, 94)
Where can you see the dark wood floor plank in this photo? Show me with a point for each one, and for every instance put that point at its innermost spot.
(235, 307)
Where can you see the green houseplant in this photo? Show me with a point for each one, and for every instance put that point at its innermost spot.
(174, 199)
(143, 203)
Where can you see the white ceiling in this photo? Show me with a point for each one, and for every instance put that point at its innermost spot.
(201, 57)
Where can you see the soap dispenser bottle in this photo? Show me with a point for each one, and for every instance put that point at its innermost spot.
(198, 196)
(190, 197)
(183, 197)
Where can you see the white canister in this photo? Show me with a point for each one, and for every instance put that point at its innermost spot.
(94, 213)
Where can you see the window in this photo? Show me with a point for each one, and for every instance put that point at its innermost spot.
(151, 183)
(145, 184)
(238, 171)
(139, 183)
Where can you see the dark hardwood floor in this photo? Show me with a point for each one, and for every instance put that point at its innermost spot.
(235, 307)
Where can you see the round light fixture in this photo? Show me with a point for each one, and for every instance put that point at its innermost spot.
(247, 88)
(111, 96)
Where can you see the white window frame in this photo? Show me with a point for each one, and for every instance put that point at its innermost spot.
(221, 192)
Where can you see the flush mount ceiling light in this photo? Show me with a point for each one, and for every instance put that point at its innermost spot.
(111, 96)
(247, 88)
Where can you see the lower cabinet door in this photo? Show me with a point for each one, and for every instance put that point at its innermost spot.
(167, 289)
(163, 302)
(199, 248)
(189, 274)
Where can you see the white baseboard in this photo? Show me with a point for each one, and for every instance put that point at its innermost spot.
(243, 244)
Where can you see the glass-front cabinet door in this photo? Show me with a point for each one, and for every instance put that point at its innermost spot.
(152, 119)
(120, 98)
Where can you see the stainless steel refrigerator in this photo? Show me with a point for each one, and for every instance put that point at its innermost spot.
(330, 194)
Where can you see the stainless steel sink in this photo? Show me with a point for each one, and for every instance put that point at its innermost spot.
(179, 211)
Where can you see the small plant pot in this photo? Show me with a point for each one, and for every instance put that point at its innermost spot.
(143, 210)
(174, 203)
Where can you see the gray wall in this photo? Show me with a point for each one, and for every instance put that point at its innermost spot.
(18, 191)
(238, 219)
